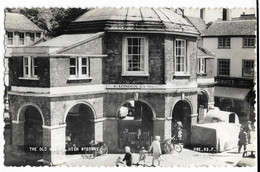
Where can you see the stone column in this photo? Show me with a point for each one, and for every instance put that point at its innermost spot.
(110, 134)
(211, 104)
(18, 135)
(54, 144)
(162, 127)
(98, 124)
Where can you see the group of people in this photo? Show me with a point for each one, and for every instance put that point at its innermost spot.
(155, 148)
(244, 136)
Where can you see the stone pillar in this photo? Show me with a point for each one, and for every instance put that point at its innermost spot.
(98, 124)
(202, 114)
(54, 144)
(162, 127)
(18, 135)
(211, 104)
(110, 134)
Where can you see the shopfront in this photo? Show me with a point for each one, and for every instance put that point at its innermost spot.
(236, 95)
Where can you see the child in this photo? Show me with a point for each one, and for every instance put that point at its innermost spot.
(128, 156)
(119, 162)
(142, 155)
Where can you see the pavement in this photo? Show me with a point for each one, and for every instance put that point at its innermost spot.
(186, 158)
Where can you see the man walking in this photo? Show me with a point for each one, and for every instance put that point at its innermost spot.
(156, 147)
(242, 140)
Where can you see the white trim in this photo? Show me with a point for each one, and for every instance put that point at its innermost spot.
(98, 119)
(159, 119)
(21, 110)
(60, 90)
(205, 80)
(184, 56)
(54, 126)
(78, 68)
(71, 78)
(125, 72)
(29, 78)
(193, 115)
(31, 71)
(77, 89)
(79, 102)
(17, 122)
(76, 55)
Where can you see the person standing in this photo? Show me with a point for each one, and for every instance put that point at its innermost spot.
(248, 129)
(242, 140)
(156, 147)
(128, 156)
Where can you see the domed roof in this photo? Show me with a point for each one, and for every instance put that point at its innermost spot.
(132, 19)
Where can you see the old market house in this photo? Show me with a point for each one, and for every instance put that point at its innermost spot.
(116, 75)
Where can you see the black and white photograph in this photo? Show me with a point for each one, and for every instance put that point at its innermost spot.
(129, 86)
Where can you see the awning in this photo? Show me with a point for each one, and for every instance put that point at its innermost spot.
(232, 93)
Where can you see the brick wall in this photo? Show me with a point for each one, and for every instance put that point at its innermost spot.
(115, 100)
(92, 47)
(16, 71)
(16, 102)
(112, 65)
(59, 72)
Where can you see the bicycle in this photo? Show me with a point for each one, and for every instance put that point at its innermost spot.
(95, 150)
(170, 145)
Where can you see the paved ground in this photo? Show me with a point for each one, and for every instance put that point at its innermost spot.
(184, 159)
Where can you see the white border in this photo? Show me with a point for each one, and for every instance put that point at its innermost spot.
(118, 4)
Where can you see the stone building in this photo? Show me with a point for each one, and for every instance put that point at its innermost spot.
(116, 74)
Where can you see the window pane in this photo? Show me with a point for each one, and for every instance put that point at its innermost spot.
(224, 67)
(180, 50)
(73, 61)
(26, 61)
(84, 61)
(248, 68)
(26, 70)
(73, 67)
(134, 56)
(35, 66)
(38, 35)
(72, 70)
(84, 70)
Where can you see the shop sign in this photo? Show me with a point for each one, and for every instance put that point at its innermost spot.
(133, 86)
(234, 82)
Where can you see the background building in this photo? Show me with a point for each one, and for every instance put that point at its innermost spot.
(114, 74)
(233, 43)
(19, 31)
(217, 14)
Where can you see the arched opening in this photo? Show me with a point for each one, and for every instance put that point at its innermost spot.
(33, 133)
(80, 129)
(180, 121)
(202, 100)
(135, 125)
(202, 105)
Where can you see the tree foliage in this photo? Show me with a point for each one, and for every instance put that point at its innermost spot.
(63, 17)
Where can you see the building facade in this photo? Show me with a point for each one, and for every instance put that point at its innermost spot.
(116, 75)
(233, 43)
(19, 31)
